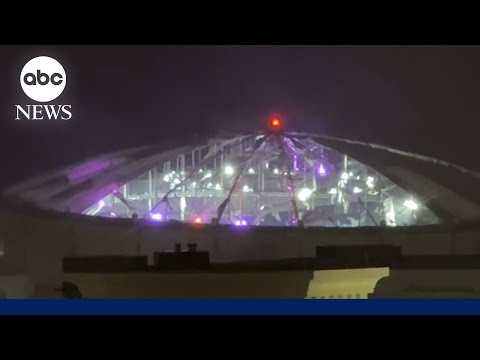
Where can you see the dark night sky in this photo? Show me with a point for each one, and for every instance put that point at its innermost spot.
(418, 98)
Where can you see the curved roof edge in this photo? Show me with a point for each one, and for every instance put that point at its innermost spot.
(449, 190)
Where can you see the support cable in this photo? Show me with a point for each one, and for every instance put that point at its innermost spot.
(290, 180)
(202, 163)
(225, 202)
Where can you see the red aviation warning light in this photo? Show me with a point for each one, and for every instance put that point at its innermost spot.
(275, 123)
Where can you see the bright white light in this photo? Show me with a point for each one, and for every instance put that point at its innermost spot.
(166, 178)
(246, 188)
(304, 194)
(344, 176)
(218, 187)
(350, 174)
(370, 182)
(176, 181)
(207, 175)
(112, 214)
(412, 205)
(266, 165)
(251, 171)
(229, 170)
(276, 171)
(183, 203)
(156, 216)
(321, 170)
(209, 185)
(332, 191)
(101, 204)
(357, 190)
(194, 183)
(244, 222)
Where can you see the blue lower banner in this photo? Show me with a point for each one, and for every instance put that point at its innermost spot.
(238, 307)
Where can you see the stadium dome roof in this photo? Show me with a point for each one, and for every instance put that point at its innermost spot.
(270, 177)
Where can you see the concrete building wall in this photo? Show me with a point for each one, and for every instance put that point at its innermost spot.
(325, 284)
(16, 287)
(34, 245)
(428, 284)
(345, 284)
(285, 285)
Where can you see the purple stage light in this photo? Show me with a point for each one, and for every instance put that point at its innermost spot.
(295, 167)
(87, 169)
(240, 222)
(321, 170)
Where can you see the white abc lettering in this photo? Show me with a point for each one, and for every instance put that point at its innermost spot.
(43, 79)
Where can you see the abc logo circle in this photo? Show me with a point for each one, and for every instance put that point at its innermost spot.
(43, 79)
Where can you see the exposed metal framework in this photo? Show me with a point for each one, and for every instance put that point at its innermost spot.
(266, 178)
(269, 177)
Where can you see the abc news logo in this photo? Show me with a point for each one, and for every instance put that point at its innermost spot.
(43, 79)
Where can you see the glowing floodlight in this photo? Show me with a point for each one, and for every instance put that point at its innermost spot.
(321, 170)
(240, 222)
(229, 170)
(412, 205)
(156, 216)
(370, 181)
(304, 194)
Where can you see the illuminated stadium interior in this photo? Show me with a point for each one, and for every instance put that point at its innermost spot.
(269, 178)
